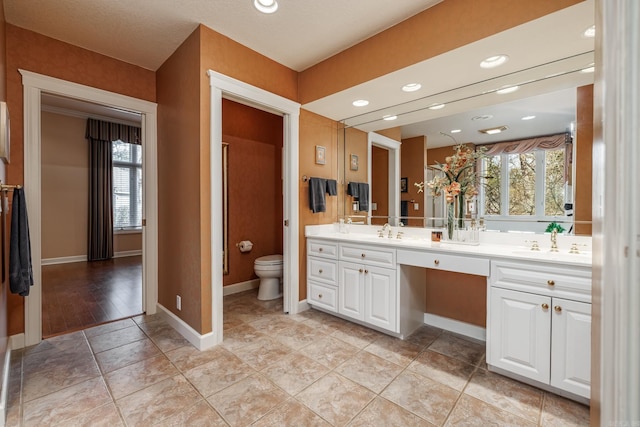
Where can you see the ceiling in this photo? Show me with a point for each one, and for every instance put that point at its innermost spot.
(147, 36)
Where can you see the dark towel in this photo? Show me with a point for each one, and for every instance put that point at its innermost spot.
(404, 211)
(317, 190)
(20, 272)
(352, 189)
(332, 187)
(363, 196)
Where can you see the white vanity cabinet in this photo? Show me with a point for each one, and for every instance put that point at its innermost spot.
(539, 323)
(322, 274)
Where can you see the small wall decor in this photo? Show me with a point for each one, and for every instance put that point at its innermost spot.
(403, 185)
(354, 162)
(320, 155)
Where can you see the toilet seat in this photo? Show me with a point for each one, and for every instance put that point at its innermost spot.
(269, 260)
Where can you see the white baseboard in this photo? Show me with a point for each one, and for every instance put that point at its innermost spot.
(16, 341)
(64, 260)
(201, 342)
(240, 287)
(456, 326)
(6, 371)
(83, 258)
(123, 254)
(303, 306)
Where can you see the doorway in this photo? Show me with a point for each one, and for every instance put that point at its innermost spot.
(33, 86)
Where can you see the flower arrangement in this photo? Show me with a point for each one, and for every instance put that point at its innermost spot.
(458, 181)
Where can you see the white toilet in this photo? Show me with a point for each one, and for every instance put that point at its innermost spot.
(269, 270)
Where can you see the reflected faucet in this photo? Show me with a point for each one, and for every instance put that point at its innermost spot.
(554, 240)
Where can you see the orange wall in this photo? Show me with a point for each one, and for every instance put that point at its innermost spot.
(33, 52)
(255, 140)
(583, 157)
(412, 160)
(446, 26)
(355, 143)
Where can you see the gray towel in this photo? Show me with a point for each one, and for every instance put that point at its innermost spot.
(352, 189)
(317, 190)
(20, 271)
(363, 196)
(332, 187)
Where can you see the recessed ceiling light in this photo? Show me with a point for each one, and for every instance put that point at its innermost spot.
(360, 103)
(389, 117)
(266, 6)
(507, 89)
(456, 130)
(493, 131)
(411, 87)
(436, 106)
(590, 32)
(528, 118)
(590, 69)
(494, 61)
(483, 117)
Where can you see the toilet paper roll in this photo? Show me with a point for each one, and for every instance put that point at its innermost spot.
(245, 246)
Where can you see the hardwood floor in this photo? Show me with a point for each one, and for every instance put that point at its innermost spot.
(83, 294)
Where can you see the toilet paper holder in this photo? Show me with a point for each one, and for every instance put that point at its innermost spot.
(244, 245)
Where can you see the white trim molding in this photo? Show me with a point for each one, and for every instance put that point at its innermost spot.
(462, 328)
(226, 87)
(236, 288)
(33, 85)
(64, 260)
(201, 342)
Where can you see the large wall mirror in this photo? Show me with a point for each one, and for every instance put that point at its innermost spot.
(551, 90)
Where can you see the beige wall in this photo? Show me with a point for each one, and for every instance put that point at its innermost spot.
(584, 159)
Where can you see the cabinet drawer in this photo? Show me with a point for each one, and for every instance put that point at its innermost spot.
(322, 249)
(361, 254)
(446, 262)
(547, 279)
(322, 295)
(322, 270)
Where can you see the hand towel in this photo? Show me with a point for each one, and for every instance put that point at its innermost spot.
(352, 189)
(332, 187)
(20, 271)
(363, 196)
(317, 190)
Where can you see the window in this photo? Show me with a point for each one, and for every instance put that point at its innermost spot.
(127, 186)
(530, 184)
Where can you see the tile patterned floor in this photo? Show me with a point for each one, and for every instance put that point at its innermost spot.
(311, 369)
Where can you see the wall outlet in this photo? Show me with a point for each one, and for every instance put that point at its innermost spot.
(416, 206)
(178, 302)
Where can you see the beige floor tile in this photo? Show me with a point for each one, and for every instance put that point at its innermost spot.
(115, 339)
(357, 336)
(298, 335)
(221, 372)
(59, 355)
(443, 369)
(381, 412)
(424, 336)
(199, 415)
(168, 339)
(109, 327)
(336, 398)
(424, 397)
(294, 372)
(240, 336)
(561, 412)
(325, 323)
(119, 357)
(262, 352)
(271, 325)
(291, 413)
(459, 348)
(507, 394)
(394, 350)
(65, 404)
(137, 376)
(472, 412)
(104, 416)
(247, 401)
(59, 343)
(329, 351)
(369, 371)
(149, 405)
(188, 357)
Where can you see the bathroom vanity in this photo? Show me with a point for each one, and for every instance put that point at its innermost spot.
(538, 324)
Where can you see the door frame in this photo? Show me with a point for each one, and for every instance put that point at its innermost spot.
(33, 86)
(226, 87)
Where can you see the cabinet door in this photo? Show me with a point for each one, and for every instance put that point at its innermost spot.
(351, 290)
(520, 340)
(571, 346)
(380, 296)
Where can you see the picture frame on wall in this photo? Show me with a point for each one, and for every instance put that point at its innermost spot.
(321, 158)
(5, 132)
(354, 162)
(404, 185)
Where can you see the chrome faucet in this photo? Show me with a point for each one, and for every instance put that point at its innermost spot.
(554, 240)
(385, 227)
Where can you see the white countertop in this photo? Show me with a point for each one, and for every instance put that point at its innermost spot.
(514, 246)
